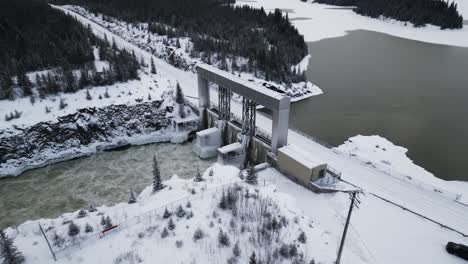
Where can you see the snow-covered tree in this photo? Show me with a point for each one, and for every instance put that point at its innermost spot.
(302, 237)
(211, 173)
(157, 183)
(153, 67)
(236, 251)
(223, 238)
(251, 177)
(57, 240)
(88, 228)
(62, 104)
(253, 258)
(180, 211)
(179, 98)
(106, 94)
(88, 95)
(198, 234)
(108, 223)
(198, 176)
(73, 229)
(171, 224)
(164, 233)
(91, 208)
(132, 198)
(166, 214)
(8, 251)
(82, 213)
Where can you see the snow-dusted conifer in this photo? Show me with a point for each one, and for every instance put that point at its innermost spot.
(253, 258)
(251, 177)
(166, 214)
(157, 183)
(132, 198)
(198, 234)
(180, 211)
(171, 224)
(153, 67)
(164, 233)
(179, 98)
(73, 229)
(198, 176)
(223, 238)
(108, 223)
(82, 213)
(8, 251)
(302, 238)
(236, 251)
(88, 228)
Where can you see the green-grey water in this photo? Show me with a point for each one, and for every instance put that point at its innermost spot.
(101, 179)
(415, 94)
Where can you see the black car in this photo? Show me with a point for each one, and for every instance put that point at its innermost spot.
(457, 250)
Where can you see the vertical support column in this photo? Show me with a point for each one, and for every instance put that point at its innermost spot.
(203, 101)
(279, 131)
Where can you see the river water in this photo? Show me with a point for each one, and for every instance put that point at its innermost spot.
(101, 179)
(415, 94)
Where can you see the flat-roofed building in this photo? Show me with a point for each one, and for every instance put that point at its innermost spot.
(300, 165)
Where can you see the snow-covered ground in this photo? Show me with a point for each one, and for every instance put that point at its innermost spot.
(390, 236)
(383, 155)
(318, 21)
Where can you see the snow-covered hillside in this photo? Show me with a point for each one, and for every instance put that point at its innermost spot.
(177, 52)
(140, 232)
(317, 21)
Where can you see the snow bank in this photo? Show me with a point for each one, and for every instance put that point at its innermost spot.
(385, 156)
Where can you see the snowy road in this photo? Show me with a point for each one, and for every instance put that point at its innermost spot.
(423, 201)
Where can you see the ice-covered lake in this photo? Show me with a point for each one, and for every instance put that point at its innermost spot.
(101, 179)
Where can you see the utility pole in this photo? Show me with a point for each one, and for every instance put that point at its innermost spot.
(354, 196)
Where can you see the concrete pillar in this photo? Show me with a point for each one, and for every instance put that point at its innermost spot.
(279, 131)
(203, 101)
(203, 93)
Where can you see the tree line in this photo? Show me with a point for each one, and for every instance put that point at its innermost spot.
(268, 40)
(418, 12)
(34, 36)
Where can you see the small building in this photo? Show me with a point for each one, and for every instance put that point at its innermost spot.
(207, 143)
(232, 154)
(300, 165)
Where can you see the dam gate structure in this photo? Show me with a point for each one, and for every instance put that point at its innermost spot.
(255, 143)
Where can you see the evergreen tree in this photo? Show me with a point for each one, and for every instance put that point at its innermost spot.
(251, 177)
(166, 214)
(180, 211)
(223, 239)
(236, 250)
(88, 228)
(132, 198)
(253, 258)
(82, 213)
(198, 176)
(24, 83)
(57, 240)
(157, 183)
(164, 233)
(8, 251)
(73, 229)
(180, 99)
(103, 221)
(302, 237)
(171, 224)
(88, 95)
(108, 223)
(153, 67)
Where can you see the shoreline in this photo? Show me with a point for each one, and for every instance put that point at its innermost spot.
(99, 147)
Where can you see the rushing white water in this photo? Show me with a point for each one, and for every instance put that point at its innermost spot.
(104, 178)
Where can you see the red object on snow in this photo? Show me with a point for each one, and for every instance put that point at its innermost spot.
(108, 229)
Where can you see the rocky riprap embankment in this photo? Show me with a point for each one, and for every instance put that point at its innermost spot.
(76, 134)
